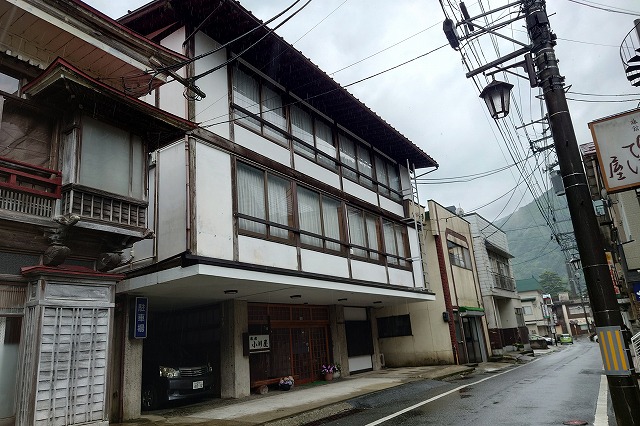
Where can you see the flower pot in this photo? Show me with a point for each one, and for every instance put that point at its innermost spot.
(336, 374)
(285, 386)
(328, 376)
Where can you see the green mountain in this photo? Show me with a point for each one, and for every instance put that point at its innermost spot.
(532, 243)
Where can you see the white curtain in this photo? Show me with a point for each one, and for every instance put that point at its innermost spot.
(331, 220)
(372, 235)
(309, 216)
(251, 199)
(382, 176)
(357, 231)
(279, 204)
(348, 156)
(273, 112)
(390, 242)
(401, 232)
(246, 94)
(324, 143)
(365, 166)
(302, 128)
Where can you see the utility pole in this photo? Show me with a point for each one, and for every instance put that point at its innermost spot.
(623, 385)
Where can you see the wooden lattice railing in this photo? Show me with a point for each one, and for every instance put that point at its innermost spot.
(28, 189)
(93, 204)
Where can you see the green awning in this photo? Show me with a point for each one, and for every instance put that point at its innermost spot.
(470, 311)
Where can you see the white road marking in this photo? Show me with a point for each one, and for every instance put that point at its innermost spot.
(420, 404)
(602, 419)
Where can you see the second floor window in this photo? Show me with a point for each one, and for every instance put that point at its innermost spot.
(458, 255)
(260, 100)
(264, 202)
(111, 159)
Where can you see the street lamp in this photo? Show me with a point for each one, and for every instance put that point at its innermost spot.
(496, 95)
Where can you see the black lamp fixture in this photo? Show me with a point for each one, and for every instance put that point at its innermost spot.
(295, 296)
(496, 95)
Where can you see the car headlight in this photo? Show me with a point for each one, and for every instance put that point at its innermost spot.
(169, 373)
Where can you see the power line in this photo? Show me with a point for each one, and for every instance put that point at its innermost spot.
(606, 8)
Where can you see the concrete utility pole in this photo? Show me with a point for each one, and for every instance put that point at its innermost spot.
(623, 382)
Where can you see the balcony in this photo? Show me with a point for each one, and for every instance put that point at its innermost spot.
(28, 189)
(503, 282)
(100, 206)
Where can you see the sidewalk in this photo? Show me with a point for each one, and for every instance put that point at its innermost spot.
(313, 401)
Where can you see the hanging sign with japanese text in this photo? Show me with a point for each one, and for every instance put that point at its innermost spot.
(140, 330)
(617, 141)
(259, 343)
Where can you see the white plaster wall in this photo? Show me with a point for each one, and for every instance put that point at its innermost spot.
(391, 206)
(172, 201)
(171, 94)
(214, 108)
(214, 211)
(368, 271)
(266, 253)
(257, 143)
(317, 172)
(400, 277)
(359, 191)
(144, 250)
(322, 263)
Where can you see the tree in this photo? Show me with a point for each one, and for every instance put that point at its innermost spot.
(552, 284)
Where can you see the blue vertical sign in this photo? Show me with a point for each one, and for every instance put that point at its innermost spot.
(141, 314)
(636, 290)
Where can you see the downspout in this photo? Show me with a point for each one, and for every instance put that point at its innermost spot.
(445, 290)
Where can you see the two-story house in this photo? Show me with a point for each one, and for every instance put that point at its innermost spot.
(281, 220)
(451, 329)
(74, 144)
(536, 312)
(502, 304)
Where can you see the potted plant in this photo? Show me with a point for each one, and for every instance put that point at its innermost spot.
(338, 371)
(328, 371)
(286, 383)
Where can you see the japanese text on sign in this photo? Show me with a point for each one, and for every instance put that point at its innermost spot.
(617, 141)
(259, 343)
(140, 331)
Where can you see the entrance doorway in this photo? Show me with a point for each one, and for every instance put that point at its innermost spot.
(298, 342)
(470, 339)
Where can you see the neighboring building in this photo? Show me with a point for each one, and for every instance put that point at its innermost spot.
(535, 310)
(284, 218)
(502, 304)
(573, 315)
(619, 217)
(451, 329)
(74, 143)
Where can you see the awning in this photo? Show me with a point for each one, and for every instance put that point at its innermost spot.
(470, 311)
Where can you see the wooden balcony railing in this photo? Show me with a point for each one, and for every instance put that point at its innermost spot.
(28, 189)
(97, 205)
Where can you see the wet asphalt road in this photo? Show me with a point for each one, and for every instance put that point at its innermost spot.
(555, 388)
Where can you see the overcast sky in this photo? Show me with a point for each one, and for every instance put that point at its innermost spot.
(430, 101)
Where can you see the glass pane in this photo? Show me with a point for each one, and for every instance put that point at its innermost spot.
(394, 177)
(331, 213)
(401, 233)
(365, 167)
(390, 242)
(356, 231)
(9, 84)
(301, 124)
(273, 112)
(324, 143)
(381, 176)
(309, 216)
(279, 191)
(105, 157)
(348, 156)
(246, 94)
(372, 235)
(251, 197)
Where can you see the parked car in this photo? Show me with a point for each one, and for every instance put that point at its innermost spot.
(565, 339)
(549, 340)
(166, 377)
